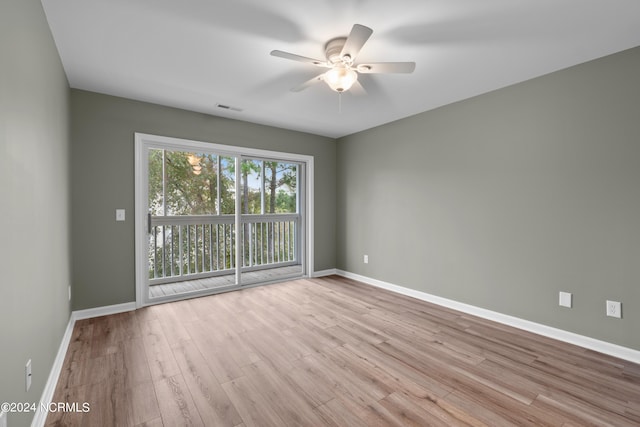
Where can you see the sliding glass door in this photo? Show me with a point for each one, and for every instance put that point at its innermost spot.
(212, 218)
(271, 219)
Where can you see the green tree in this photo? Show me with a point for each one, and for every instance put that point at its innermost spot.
(182, 183)
(278, 176)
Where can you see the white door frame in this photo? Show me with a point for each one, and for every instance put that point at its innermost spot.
(144, 142)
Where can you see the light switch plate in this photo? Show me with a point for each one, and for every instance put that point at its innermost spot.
(119, 214)
(566, 299)
(27, 375)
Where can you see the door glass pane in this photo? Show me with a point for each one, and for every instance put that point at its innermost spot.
(191, 183)
(270, 243)
(155, 190)
(227, 186)
(251, 186)
(281, 182)
(187, 184)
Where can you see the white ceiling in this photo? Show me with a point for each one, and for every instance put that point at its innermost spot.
(194, 54)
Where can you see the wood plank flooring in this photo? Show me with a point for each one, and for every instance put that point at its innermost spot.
(332, 352)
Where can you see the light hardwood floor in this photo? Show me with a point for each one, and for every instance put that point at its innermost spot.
(332, 352)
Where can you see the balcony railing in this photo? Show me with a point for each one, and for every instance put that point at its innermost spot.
(190, 247)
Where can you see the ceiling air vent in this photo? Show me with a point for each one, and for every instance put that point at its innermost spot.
(228, 107)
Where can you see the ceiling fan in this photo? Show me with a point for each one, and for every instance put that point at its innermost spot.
(341, 54)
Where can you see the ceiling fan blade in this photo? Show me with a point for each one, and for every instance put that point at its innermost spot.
(357, 89)
(308, 83)
(386, 67)
(294, 57)
(357, 38)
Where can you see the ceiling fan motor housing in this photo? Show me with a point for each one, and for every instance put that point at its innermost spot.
(333, 49)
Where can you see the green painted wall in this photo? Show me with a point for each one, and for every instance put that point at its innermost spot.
(102, 171)
(34, 202)
(503, 200)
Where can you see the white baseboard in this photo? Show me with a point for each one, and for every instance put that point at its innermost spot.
(103, 311)
(615, 350)
(323, 273)
(40, 416)
(50, 387)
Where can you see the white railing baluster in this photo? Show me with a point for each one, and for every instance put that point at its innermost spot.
(202, 250)
(195, 249)
(199, 248)
(288, 244)
(254, 234)
(261, 243)
(218, 247)
(170, 252)
(155, 252)
(272, 243)
(203, 256)
(164, 251)
(210, 247)
(280, 259)
(204, 247)
(279, 240)
(250, 244)
(229, 241)
(224, 245)
(254, 237)
(229, 250)
(188, 249)
(180, 250)
(287, 240)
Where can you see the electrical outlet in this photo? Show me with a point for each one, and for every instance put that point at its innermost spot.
(366, 259)
(566, 299)
(120, 214)
(69, 292)
(614, 309)
(27, 375)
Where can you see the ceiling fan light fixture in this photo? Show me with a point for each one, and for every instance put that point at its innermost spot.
(340, 79)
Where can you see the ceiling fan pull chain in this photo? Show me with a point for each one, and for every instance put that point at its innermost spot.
(339, 102)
